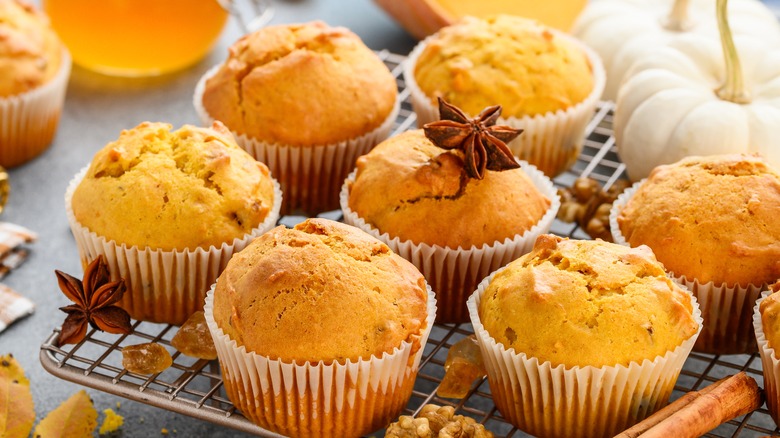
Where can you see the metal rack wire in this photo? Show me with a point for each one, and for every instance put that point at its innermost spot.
(194, 387)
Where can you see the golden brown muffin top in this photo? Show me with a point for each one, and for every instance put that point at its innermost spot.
(710, 219)
(770, 317)
(585, 302)
(301, 85)
(320, 291)
(30, 52)
(515, 62)
(193, 187)
(412, 189)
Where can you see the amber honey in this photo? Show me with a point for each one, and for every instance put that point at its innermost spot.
(137, 37)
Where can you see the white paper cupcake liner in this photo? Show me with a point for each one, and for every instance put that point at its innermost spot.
(581, 401)
(726, 309)
(162, 286)
(454, 273)
(552, 141)
(310, 176)
(769, 362)
(317, 399)
(28, 121)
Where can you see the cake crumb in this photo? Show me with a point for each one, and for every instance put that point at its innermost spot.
(112, 422)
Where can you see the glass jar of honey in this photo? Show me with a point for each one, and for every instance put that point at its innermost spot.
(137, 37)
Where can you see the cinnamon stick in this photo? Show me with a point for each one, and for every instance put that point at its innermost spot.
(734, 396)
(664, 413)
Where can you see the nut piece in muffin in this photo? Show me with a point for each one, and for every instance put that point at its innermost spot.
(320, 291)
(586, 303)
(301, 84)
(30, 51)
(710, 219)
(321, 308)
(508, 60)
(414, 190)
(158, 188)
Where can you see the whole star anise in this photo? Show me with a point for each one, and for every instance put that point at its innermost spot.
(94, 300)
(481, 140)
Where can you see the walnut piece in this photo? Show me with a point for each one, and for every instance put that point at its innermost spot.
(409, 427)
(437, 422)
(588, 205)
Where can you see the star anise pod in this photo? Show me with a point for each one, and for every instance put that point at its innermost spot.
(481, 140)
(94, 300)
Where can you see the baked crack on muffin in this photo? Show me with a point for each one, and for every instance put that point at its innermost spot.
(159, 188)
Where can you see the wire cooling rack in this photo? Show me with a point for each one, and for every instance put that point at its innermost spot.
(194, 387)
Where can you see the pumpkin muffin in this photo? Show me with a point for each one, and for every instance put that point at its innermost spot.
(322, 297)
(34, 72)
(712, 222)
(420, 199)
(293, 92)
(582, 314)
(547, 82)
(168, 208)
(412, 189)
(766, 324)
(513, 61)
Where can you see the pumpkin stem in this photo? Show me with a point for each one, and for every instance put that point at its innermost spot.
(678, 20)
(733, 89)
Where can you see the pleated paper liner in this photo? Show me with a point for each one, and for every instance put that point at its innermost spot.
(28, 121)
(727, 310)
(454, 273)
(162, 286)
(347, 399)
(586, 402)
(552, 141)
(310, 176)
(769, 362)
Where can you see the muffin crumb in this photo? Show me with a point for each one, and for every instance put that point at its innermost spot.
(112, 422)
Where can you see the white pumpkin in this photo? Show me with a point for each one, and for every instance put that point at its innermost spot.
(693, 98)
(623, 31)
